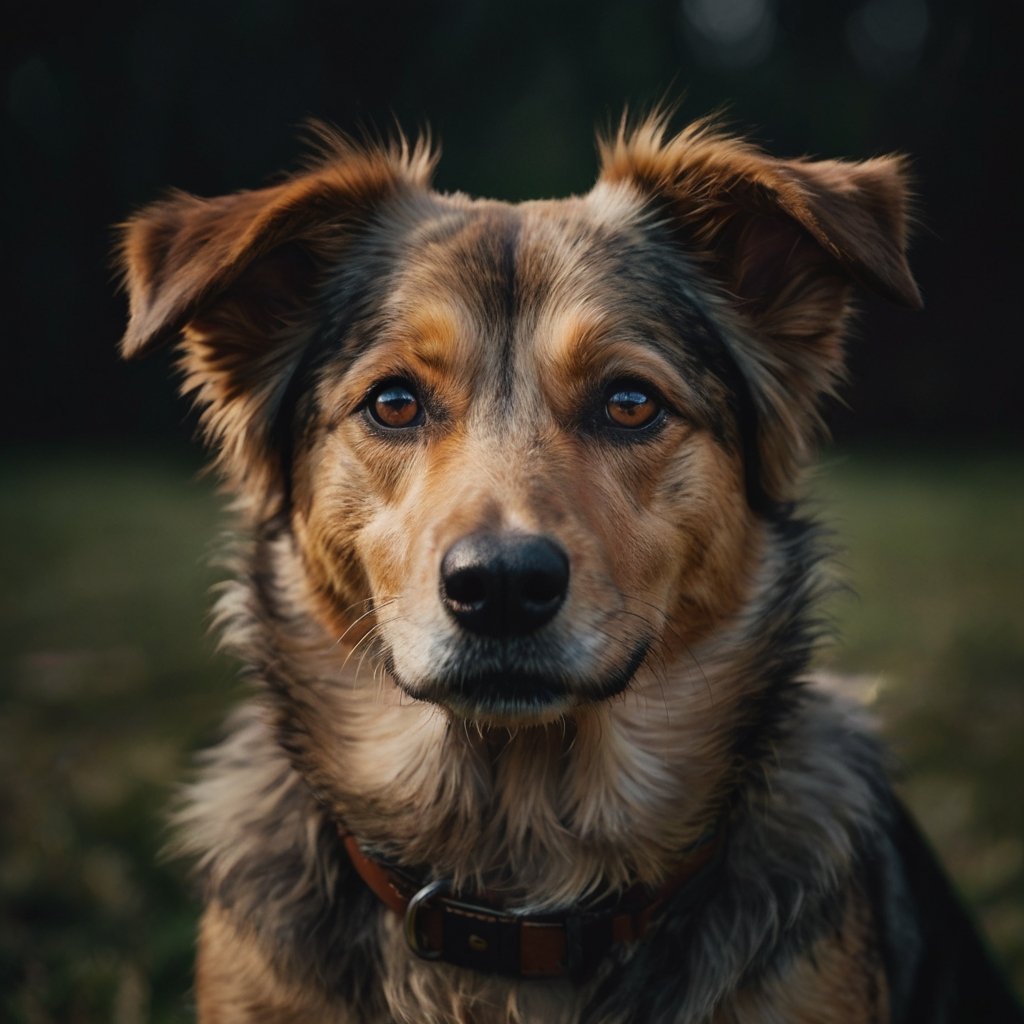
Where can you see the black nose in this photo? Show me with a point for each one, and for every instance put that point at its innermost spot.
(504, 584)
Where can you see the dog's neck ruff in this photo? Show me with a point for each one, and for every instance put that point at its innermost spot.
(479, 934)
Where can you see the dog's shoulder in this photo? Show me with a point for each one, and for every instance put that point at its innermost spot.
(827, 904)
(938, 966)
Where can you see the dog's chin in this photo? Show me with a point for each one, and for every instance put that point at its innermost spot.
(507, 700)
(503, 699)
(516, 698)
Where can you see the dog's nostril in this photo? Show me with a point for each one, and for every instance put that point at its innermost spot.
(466, 587)
(504, 584)
(541, 587)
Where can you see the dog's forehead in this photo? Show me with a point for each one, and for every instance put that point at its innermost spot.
(537, 274)
(576, 285)
(514, 259)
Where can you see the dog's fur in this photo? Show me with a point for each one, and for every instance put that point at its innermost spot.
(717, 280)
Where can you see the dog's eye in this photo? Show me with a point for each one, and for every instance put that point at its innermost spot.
(630, 406)
(395, 405)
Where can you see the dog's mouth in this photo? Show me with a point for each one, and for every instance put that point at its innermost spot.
(499, 695)
(513, 695)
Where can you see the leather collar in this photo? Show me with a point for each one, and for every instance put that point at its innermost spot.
(478, 933)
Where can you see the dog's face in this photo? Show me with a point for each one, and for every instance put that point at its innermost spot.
(523, 460)
(521, 449)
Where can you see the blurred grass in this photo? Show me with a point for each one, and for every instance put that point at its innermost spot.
(108, 680)
(934, 547)
(108, 677)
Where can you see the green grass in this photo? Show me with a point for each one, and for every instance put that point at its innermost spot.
(109, 680)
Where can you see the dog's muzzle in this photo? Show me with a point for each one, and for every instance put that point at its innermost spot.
(507, 658)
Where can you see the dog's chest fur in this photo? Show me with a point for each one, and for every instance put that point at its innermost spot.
(785, 889)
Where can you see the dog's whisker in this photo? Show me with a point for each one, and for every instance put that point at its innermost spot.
(366, 640)
(366, 653)
(373, 634)
(375, 608)
(666, 624)
(379, 677)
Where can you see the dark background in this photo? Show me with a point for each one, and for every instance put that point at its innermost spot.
(106, 680)
(106, 105)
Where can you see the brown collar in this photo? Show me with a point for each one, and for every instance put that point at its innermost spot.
(440, 926)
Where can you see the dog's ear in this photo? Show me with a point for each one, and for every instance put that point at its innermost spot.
(228, 279)
(784, 240)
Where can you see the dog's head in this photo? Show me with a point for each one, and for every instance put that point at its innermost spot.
(529, 446)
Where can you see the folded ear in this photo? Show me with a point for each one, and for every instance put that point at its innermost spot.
(229, 278)
(783, 241)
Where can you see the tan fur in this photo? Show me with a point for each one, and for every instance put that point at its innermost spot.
(237, 983)
(585, 797)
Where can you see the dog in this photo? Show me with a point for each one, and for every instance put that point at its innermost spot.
(529, 601)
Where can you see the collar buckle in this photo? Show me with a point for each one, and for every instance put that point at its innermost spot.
(422, 898)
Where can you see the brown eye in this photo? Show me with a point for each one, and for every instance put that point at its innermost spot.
(630, 406)
(395, 405)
